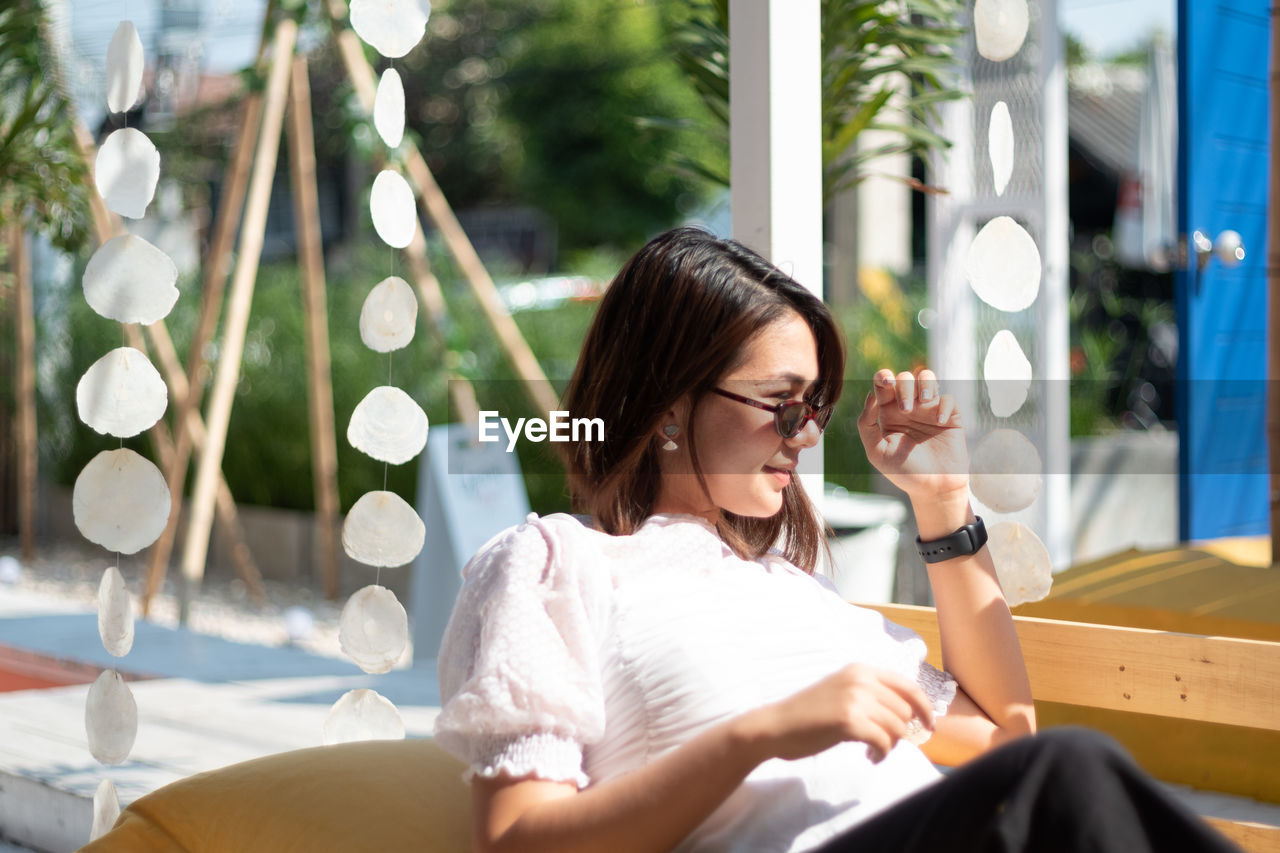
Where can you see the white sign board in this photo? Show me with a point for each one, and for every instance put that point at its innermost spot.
(467, 492)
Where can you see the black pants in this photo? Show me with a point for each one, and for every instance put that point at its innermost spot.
(1066, 789)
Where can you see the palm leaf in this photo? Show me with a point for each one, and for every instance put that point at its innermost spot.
(870, 52)
(42, 176)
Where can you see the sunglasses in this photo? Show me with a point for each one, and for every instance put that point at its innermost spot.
(789, 416)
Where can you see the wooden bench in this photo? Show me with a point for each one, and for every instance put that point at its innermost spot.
(1215, 680)
(389, 795)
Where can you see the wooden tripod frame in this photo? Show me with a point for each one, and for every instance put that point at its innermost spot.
(248, 187)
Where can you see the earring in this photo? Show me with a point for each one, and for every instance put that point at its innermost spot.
(670, 431)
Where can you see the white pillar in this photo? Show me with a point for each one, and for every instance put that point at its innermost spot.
(775, 133)
(775, 145)
(1055, 293)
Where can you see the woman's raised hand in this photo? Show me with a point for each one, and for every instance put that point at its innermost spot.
(856, 702)
(912, 435)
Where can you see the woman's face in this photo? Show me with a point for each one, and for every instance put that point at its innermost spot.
(745, 462)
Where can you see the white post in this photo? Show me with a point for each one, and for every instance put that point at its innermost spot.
(775, 145)
(1055, 293)
(960, 329)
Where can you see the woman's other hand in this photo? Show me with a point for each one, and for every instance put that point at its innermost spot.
(656, 805)
(912, 435)
(855, 703)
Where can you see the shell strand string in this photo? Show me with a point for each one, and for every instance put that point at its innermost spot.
(126, 18)
(386, 466)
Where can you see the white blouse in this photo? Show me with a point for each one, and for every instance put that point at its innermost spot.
(577, 656)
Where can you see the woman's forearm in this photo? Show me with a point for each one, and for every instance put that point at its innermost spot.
(649, 809)
(979, 645)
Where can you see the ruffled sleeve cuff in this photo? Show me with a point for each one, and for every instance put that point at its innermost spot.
(544, 755)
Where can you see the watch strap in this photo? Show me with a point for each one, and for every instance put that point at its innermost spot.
(967, 540)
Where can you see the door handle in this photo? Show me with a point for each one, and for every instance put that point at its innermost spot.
(1227, 248)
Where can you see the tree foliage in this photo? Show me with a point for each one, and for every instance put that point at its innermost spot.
(542, 103)
(885, 66)
(588, 72)
(42, 175)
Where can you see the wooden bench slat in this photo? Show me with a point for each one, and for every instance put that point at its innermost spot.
(1212, 679)
(1253, 837)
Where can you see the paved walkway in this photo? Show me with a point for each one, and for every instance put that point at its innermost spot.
(204, 703)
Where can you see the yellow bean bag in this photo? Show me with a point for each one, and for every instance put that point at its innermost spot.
(372, 795)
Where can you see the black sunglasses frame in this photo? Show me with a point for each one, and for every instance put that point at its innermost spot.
(820, 416)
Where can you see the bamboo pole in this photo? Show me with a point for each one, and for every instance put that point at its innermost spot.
(105, 223)
(437, 208)
(25, 321)
(105, 226)
(213, 286)
(192, 434)
(1273, 281)
(195, 548)
(536, 385)
(8, 416)
(226, 516)
(461, 392)
(306, 216)
(430, 295)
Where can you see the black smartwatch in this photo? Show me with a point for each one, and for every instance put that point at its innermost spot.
(967, 540)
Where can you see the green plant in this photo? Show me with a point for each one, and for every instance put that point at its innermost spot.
(534, 103)
(881, 330)
(579, 79)
(885, 66)
(42, 175)
(1120, 365)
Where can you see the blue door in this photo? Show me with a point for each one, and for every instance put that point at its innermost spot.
(1222, 310)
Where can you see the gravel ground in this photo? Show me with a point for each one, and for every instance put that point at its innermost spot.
(71, 572)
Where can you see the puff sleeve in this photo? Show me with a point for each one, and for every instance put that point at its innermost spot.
(519, 665)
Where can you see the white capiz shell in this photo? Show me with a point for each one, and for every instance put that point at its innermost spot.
(10, 570)
(1005, 471)
(1003, 265)
(362, 714)
(115, 613)
(126, 172)
(388, 426)
(121, 394)
(110, 718)
(374, 629)
(120, 501)
(124, 68)
(1007, 373)
(382, 530)
(389, 315)
(392, 208)
(131, 281)
(1022, 562)
(388, 108)
(1000, 27)
(1000, 146)
(391, 27)
(106, 809)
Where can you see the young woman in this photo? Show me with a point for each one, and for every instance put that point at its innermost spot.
(667, 671)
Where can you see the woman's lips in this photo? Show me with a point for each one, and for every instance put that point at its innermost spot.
(782, 476)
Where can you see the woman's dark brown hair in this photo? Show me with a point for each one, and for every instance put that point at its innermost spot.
(677, 318)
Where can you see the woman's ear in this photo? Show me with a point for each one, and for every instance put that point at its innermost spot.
(672, 424)
(678, 415)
